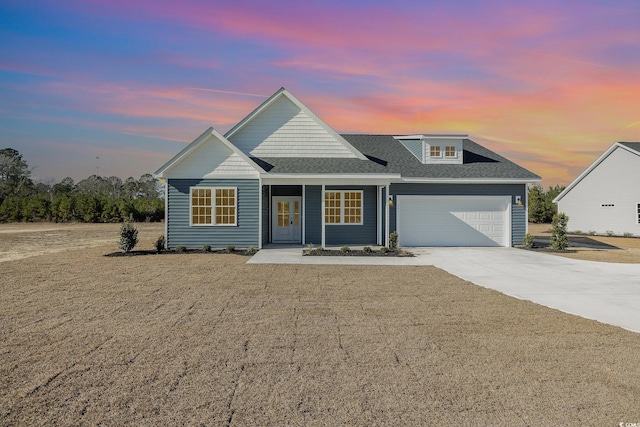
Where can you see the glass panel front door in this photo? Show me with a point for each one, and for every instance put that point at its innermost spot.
(286, 220)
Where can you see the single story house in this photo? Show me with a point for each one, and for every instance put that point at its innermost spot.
(282, 175)
(605, 197)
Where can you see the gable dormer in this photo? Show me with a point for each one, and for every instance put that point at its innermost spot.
(434, 149)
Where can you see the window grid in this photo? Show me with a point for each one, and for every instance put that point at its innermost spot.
(449, 151)
(213, 206)
(352, 207)
(201, 206)
(343, 207)
(332, 207)
(638, 212)
(225, 206)
(434, 151)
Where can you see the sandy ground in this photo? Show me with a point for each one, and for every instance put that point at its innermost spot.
(593, 248)
(206, 339)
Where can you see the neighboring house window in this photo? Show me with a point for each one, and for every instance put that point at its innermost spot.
(434, 151)
(449, 151)
(343, 207)
(213, 206)
(638, 212)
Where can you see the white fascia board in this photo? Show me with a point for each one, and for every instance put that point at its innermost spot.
(209, 133)
(283, 92)
(329, 179)
(588, 170)
(242, 123)
(431, 136)
(175, 159)
(237, 151)
(471, 180)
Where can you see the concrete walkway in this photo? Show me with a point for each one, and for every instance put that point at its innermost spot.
(609, 293)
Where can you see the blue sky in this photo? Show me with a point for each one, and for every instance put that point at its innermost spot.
(550, 85)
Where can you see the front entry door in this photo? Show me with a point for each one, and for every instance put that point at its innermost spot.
(286, 220)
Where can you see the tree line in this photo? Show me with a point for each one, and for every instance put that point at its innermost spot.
(541, 206)
(94, 199)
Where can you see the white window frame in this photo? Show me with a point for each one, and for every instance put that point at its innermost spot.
(455, 152)
(439, 156)
(342, 207)
(213, 206)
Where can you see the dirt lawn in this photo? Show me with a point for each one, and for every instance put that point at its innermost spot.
(593, 248)
(206, 339)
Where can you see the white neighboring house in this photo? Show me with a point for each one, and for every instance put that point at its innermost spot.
(606, 196)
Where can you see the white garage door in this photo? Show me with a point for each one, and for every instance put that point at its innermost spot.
(453, 221)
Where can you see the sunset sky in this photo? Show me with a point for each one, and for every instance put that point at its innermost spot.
(548, 84)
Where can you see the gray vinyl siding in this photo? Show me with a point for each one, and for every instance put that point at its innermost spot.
(518, 213)
(242, 235)
(364, 234)
(313, 214)
(518, 223)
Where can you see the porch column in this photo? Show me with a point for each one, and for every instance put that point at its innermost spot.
(260, 210)
(322, 243)
(270, 213)
(379, 202)
(304, 215)
(386, 216)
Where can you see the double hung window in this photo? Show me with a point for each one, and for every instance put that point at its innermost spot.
(213, 206)
(343, 207)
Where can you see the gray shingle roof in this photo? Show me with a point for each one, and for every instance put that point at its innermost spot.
(633, 145)
(387, 155)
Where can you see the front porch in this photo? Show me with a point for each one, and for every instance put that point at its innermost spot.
(324, 215)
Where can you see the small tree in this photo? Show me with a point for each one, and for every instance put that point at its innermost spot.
(559, 240)
(128, 237)
(393, 240)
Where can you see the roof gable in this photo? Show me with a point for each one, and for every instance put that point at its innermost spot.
(210, 155)
(284, 127)
(632, 147)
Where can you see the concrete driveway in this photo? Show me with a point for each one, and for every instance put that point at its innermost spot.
(609, 293)
(606, 292)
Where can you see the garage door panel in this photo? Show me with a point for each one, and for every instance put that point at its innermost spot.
(452, 221)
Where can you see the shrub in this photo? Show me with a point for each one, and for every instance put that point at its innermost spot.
(206, 248)
(345, 249)
(181, 248)
(231, 248)
(559, 240)
(393, 240)
(610, 233)
(367, 249)
(627, 234)
(384, 249)
(160, 243)
(318, 250)
(591, 233)
(528, 241)
(578, 232)
(251, 250)
(128, 237)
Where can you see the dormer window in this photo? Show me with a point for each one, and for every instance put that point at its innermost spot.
(450, 151)
(435, 149)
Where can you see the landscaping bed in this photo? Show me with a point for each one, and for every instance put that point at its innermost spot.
(382, 252)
